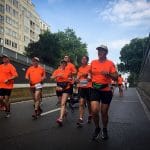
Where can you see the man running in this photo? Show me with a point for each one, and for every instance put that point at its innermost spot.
(35, 74)
(7, 75)
(102, 71)
(84, 87)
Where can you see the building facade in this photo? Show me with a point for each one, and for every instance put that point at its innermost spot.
(19, 24)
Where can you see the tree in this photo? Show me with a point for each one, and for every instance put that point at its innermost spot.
(47, 49)
(132, 57)
(52, 47)
(71, 45)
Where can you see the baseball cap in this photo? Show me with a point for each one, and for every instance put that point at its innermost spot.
(5, 55)
(102, 47)
(36, 58)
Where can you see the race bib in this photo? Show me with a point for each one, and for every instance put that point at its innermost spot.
(38, 86)
(83, 83)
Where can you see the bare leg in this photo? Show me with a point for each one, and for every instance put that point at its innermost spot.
(63, 105)
(104, 114)
(95, 108)
(81, 108)
(7, 104)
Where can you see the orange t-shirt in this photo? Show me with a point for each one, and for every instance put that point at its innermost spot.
(35, 74)
(71, 68)
(64, 75)
(120, 80)
(97, 67)
(6, 72)
(82, 75)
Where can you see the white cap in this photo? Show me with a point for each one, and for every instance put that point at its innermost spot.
(36, 58)
(102, 47)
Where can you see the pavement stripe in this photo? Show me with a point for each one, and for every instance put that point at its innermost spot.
(51, 111)
(125, 101)
(27, 101)
(144, 106)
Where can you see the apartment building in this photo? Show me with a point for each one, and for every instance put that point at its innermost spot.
(19, 24)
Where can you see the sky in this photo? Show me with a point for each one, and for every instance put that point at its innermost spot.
(110, 22)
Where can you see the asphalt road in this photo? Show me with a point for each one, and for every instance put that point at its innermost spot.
(129, 127)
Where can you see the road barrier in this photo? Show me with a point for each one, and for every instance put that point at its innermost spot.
(22, 92)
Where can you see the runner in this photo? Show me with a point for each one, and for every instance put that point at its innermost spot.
(7, 75)
(71, 68)
(84, 86)
(102, 71)
(125, 83)
(35, 74)
(120, 85)
(113, 85)
(63, 89)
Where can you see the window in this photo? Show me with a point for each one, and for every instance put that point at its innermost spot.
(1, 8)
(26, 29)
(15, 3)
(1, 19)
(9, 20)
(1, 30)
(15, 13)
(7, 42)
(26, 39)
(14, 34)
(8, 9)
(8, 31)
(14, 44)
(1, 41)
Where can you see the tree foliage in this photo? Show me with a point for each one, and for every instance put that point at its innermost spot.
(132, 57)
(52, 47)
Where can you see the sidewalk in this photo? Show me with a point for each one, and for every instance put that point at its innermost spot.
(129, 122)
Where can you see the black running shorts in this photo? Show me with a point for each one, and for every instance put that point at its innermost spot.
(104, 97)
(5, 92)
(84, 93)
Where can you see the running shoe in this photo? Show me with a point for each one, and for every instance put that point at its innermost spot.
(35, 114)
(89, 119)
(59, 122)
(7, 115)
(2, 108)
(80, 122)
(96, 134)
(104, 134)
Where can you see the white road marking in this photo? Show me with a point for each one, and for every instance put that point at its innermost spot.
(125, 101)
(144, 106)
(27, 101)
(51, 111)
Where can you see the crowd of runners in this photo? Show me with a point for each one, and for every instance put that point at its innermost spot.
(95, 84)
